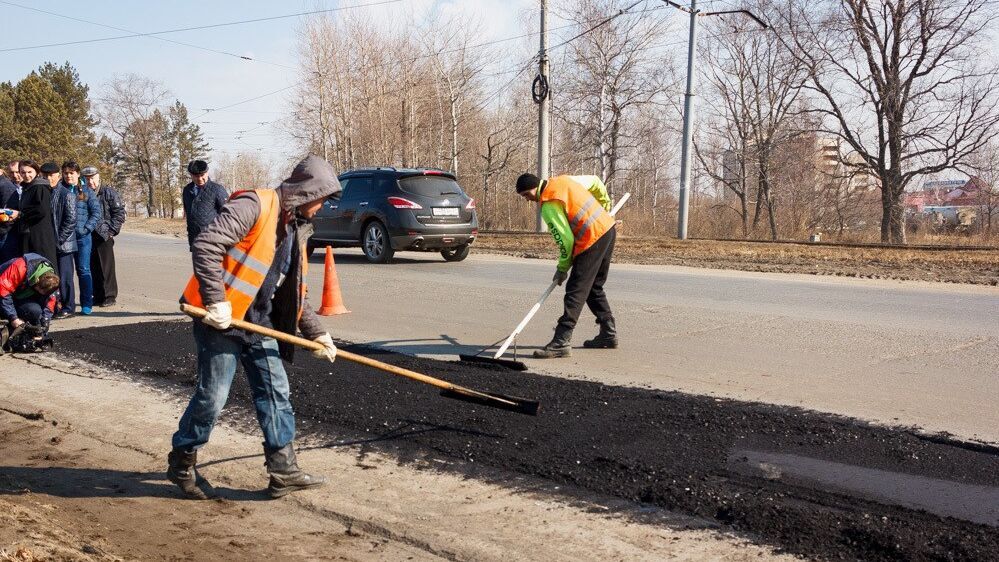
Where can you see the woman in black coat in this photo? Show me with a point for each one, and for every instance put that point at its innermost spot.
(38, 234)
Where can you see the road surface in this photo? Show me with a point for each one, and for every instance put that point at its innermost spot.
(900, 353)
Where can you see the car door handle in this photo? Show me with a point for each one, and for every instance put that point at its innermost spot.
(362, 204)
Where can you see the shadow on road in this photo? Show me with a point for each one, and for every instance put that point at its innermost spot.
(102, 483)
(409, 428)
(129, 314)
(319, 257)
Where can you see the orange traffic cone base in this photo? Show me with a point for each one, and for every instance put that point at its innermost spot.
(332, 299)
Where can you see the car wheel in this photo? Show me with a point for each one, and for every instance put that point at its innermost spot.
(456, 254)
(376, 244)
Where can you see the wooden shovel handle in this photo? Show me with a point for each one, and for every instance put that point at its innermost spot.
(199, 313)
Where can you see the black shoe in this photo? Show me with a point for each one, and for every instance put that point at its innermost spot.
(286, 477)
(606, 339)
(558, 347)
(181, 471)
(107, 303)
(62, 314)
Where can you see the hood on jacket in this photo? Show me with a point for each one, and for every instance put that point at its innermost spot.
(313, 178)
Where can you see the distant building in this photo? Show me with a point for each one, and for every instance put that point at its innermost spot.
(944, 193)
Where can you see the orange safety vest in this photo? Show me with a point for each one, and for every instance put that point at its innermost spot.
(246, 264)
(587, 217)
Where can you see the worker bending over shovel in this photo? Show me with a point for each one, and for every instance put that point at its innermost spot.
(250, 264)
(577, 212)
(29, 290)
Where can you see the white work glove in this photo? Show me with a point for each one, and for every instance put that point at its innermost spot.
(328, 351)
(560, 277)
(219, 315)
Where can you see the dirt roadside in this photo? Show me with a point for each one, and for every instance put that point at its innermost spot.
(978, 267)
(82, 479)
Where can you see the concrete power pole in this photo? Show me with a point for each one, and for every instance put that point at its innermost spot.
(689, 107)
(688, 125)
(542, 97)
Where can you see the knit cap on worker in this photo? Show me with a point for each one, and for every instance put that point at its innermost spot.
(313, 178)
(527, 182)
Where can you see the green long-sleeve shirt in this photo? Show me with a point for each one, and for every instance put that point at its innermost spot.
(554, 215)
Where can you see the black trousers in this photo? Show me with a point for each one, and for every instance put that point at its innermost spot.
(102, 270)
(30, 312)
(586, 283)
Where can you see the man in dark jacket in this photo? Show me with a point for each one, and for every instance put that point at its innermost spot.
(102, 258)
(38, 232)
(203, 200)
(249, 264)
(10, 205)
(64, 219)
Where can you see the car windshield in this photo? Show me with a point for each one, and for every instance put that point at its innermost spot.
(430, 186)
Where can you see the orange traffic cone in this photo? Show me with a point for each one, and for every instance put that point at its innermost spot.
(332, 299)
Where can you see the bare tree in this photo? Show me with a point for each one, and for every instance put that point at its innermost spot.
(614, 71)
(244, 170)
(129, 111)
(760, 86)
(902, 82)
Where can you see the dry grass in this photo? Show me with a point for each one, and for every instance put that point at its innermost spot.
(979, 267)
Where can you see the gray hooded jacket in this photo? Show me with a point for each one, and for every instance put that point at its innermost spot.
(313, 178)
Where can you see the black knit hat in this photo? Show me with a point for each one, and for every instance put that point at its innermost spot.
(49, 168)
(527, 182)
(197, 167)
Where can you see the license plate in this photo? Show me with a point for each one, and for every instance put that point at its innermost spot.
(445, 211)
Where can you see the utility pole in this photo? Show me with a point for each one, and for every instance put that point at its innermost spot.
(540, 92)
(688, 107)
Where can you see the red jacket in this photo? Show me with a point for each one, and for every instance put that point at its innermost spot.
(14, 275)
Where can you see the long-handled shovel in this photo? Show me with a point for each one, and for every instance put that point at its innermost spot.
(530, 314)
(448, 390)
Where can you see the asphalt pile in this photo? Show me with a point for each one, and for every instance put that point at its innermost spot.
(667, 449)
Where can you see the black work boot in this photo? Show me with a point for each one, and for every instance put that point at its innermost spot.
(286, 477)
(558, 347)
(181, 472)
(606, 339)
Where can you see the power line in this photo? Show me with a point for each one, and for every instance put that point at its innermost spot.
(164, 39)
(193, 28)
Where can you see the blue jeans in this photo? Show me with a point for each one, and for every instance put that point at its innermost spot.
(217, 357)
(84, 244)
(67, 287)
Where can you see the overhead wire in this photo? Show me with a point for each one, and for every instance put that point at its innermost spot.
(191, 28)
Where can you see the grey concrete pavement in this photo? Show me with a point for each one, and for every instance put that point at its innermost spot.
(894, 352)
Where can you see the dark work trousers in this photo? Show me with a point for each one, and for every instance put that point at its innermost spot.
(30, 312)
(586, 283)
(67, 288)
(102, 270)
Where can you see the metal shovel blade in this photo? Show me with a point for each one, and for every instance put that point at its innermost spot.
(508, 363)
(500, 401)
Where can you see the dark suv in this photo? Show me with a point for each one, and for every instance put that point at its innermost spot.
(385, 210)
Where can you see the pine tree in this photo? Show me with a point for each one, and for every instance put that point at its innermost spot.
(42, 129)
(190, 142)
(8, 142)
(75, 95)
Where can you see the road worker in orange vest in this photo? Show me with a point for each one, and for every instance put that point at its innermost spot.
(577, 212)
(250, 264)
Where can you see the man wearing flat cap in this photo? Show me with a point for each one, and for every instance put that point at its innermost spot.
(203, 200)
(102, 265)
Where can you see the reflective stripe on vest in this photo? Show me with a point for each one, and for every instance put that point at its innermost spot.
(246, 264)
(587, 217)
